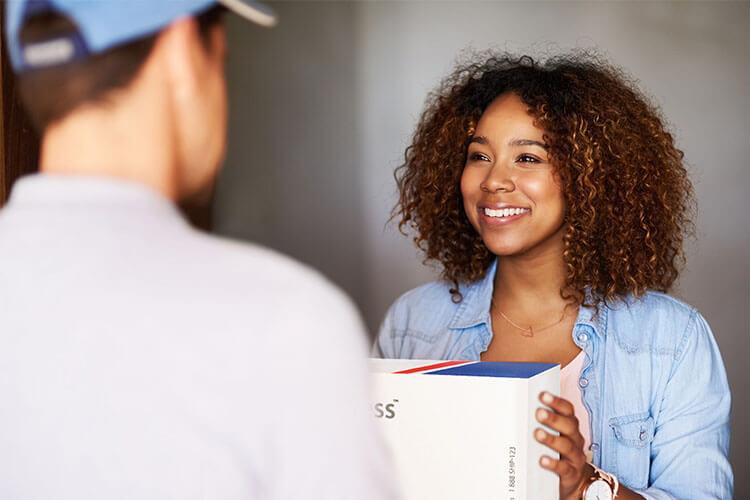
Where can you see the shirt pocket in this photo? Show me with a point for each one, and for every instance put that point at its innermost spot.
(633, 436)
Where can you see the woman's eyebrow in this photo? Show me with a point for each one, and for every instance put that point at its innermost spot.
(480, 139)
(528, 142)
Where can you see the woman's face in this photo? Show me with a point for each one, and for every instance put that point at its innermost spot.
(511, 194)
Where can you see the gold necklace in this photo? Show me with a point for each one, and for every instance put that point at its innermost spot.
(527, 332)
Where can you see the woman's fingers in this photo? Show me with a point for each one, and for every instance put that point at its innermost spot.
(560, 405)
(561, 444)
(572, 476)
(571, 467)
(562, 468)
(560, 416)
(566, 425)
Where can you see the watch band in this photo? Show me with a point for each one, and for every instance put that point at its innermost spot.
(610, 479)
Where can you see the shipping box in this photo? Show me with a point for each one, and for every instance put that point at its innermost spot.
(462, 430)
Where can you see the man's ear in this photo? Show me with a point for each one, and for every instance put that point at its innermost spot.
(182, 55)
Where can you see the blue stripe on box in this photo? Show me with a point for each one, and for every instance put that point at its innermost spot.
(496, 369)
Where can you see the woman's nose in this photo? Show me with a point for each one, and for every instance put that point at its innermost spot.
(497, 180)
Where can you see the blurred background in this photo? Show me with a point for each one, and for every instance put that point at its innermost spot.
(323, 106)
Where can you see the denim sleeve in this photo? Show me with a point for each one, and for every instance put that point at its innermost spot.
(689, 457)
(384, 347)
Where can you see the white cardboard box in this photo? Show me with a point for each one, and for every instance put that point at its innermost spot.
(462, 430)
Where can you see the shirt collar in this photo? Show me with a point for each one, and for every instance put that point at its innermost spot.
(587, 317)
(477, 296)
(89, 192)
(475, 306)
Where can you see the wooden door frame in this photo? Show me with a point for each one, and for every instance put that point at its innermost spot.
(19, 149)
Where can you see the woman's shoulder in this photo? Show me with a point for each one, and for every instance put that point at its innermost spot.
(654, 321)
(656, 303)
(430, 303)
(419, 323)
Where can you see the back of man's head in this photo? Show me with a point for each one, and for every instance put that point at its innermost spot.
(129, 89)
(50, 93)
(67, 53)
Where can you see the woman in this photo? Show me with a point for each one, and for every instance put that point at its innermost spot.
(556, 203)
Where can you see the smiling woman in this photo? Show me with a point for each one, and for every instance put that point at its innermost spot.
(557, 203)
(511, 194)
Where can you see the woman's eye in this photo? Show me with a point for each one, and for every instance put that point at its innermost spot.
(528, 159)
(478, 157)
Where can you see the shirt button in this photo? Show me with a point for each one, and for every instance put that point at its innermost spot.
(582, 337)
(594, 446)
(642, 436)
(584, 382)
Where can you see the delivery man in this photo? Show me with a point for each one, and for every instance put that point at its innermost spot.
(139, 358)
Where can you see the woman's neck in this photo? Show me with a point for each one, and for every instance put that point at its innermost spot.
(531, 281)
(531, 321)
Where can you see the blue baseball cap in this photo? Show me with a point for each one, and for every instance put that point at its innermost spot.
(105, 24)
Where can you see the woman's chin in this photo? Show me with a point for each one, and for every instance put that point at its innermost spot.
(505, 249)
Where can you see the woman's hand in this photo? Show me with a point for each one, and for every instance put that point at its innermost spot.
(572, 467)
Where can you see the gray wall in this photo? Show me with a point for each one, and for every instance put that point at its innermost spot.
(323, 106)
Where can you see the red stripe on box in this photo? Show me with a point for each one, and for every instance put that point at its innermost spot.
(433, 367)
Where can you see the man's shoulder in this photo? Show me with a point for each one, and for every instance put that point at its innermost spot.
(249, 293)
(251, 288)
(241, 265)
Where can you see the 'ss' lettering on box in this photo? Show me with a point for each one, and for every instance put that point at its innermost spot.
(462, 430)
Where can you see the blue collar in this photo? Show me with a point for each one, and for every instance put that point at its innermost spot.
(474, 309)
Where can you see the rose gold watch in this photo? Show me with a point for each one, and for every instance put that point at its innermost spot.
(602, 486)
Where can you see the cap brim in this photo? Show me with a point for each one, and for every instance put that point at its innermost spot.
(256, 12)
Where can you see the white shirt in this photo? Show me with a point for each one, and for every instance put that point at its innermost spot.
(141, 359)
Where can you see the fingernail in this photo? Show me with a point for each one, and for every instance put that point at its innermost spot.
(545, 461)
(547, 398)
(539, 434)
(542, 414)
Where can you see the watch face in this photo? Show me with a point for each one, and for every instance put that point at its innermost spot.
(599, 490)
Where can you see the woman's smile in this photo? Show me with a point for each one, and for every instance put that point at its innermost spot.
(501, 214)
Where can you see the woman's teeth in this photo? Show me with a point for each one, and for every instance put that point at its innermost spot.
(504, 212)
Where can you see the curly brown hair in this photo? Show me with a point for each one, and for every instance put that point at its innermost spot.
(628, 196)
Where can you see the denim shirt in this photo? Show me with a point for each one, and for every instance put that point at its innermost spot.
(653, 381)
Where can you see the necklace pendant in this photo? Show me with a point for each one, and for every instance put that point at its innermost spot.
(528, 332)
